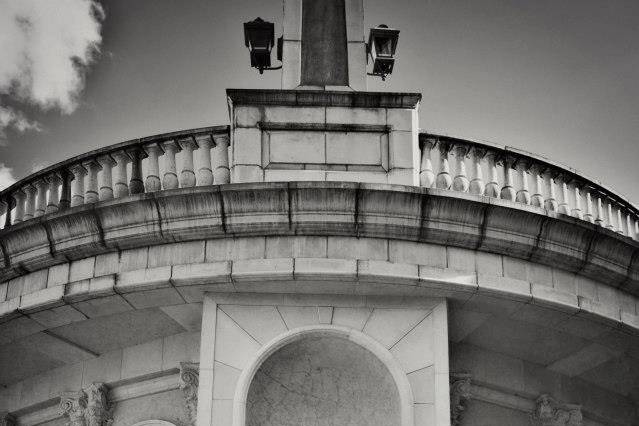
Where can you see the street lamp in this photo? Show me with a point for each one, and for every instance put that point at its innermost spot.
(259, 37)
(382, 43)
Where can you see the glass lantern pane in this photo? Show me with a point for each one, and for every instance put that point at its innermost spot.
(383, 46)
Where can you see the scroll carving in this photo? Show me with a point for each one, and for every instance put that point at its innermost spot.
(459, 396)
(88, 407)
(7, 419)
(549, 412)
(189, 382)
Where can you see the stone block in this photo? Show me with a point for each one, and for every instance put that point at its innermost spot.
(349, 115)
(369, 177)
(141, 360)
(57, 317)
(547, 296)
(298, 246)
(134, 259)
(606, 313)
(107, 263)
(222, 412)
(14, 288)
(389, 325)
(224, 381)
(515, 268)
(106, 368)
(9, 308)
(235, 249)
(489, 264)
(293, 175)
(417, 253)
(360, 148)
(401, 119)
(402, 149)
(242, 173)
(461, 259)
(292, 146)
(3, 291)
(583, 360)
(262, 323)
(86, 289)
(154, 298)
(58, 275)
(247, 146)
(586, 288)
(195, 293)
(103, 306)
(539, 274)
(356, 65)
(189, 316)
(445, 278)
(262, 269)
(415, 350)
(176, 253)
(425, 414)
(299, 316)
(294, 114)
(183, 347)
(246, 116)
(403, 177)
(381, 271)
(422, 383)
(325, 314)
(82, 269)
(510, 288)
(42, 299)
(143, 279)
(492, 368)
(233, 346)
(201, 273)
(354, 318)
(325, 269)
(357, 248)
(65, 379)
(291, 69)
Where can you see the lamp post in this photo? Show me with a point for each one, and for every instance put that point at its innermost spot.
(259, 37)
(382, 43)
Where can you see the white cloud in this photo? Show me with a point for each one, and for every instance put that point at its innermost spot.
(12, 118)
(45, 48)
(6, 176)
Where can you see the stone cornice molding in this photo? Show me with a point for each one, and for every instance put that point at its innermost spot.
(189, 382)
(550, 412)
(460, 393)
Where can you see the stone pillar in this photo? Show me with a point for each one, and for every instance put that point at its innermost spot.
(204, 173)
(426, 174)
(537, 198)
(91, 194)
(169, 180)
(187, 175)
(153, 183)
(77, 190)
(444, 180)
(523, 195)
(576, 210)
(589, 208)
(508, 191)
(220, 161)
(477, 185)
(120, 180)
(65, 192)
(460, 182)
(492, 187)
(563, 195)
(29, 210)
(54, 197)
(136, 186)
(189, 382)
(20, 198)
(106, 181)
(551, 201)
(41, 206)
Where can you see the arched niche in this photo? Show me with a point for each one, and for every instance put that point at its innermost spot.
(331, 359)
(153, 423)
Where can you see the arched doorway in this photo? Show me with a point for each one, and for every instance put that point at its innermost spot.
(323, 375)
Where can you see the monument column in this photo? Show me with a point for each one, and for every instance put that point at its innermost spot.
(323, 45)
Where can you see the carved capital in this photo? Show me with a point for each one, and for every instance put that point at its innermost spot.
(72, 405)
(189, 382)
(459, 396)
(98, 410)
(7, 419)
(549, 412)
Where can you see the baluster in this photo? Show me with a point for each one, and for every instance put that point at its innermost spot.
(563, 195)
(492, 187)
(630, 225)
(426, 174)
(551, 201)
(169, 180)
(187, 175)
(600, 220)
(620, 222)
(77, 187)
(65, 193)
(576, 211)
(537, 199)
(477, 183)
(30, 190)
(106, 181)
(460, 182)
(588, 216)
(220, 161)
(507, 191)
(523, 195)
(54, 197)
(41, 204)
(91, 194)
(136, 186)
(444, 180)
(4, 208)
(610, 217)
(120, 180)
(19, 196)
(152, 184)
(204, 171)
(9, 202)
(636, 227)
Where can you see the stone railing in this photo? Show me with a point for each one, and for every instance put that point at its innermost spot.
(516, 175)
(130, 167)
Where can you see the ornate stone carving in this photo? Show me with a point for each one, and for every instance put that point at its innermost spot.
(88, 407)
(549, 412)
(459, 396)
(7, 419)
(189, 381)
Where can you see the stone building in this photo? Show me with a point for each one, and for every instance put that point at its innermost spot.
(319, 261)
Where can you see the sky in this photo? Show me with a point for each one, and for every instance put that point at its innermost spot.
(557, 78)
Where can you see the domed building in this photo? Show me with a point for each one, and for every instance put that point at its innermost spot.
(318, 261)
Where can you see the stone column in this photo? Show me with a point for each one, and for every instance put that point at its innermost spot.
(106, 181)
(120, 180)
(460, 182)
(29, 210)
(54, 197)
(136, 186)
(153, 183)
(169, 180)
(20, 198)
(444, 180)
(537, 198)
(600, 220)
(77, 190)
(551, 201)
(576, 210)
(41, 205)
(204, 172)
(187, 175)
(426, 174)
(609, 215)
(220, 161)
(508, 191)
(65, 192)
(492, 187)
(563, 195)
(589, 208)
(91, 194)
(477, 185)
(522, 195)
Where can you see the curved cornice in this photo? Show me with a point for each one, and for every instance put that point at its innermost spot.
(323, 208)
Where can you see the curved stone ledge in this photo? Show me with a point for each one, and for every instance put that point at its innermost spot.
(323, 208)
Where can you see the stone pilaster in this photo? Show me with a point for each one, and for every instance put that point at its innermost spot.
(549, 412)
(189, 382)
(459, 396)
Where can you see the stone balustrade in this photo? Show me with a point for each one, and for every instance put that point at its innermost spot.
(133, 167)
(507, 173)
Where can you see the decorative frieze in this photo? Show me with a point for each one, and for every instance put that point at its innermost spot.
(459, 396)
(88, 407)
(189, 381)
(549, 412)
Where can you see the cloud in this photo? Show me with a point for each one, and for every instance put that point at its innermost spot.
(6, 176)
(45, 49)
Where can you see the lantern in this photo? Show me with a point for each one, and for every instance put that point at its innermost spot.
(381, 46)
(259, 37)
